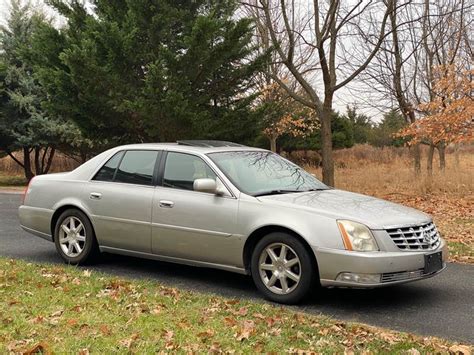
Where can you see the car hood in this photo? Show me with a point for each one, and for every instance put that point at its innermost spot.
(373, 212)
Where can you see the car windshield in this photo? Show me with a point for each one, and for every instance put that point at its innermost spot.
(259, 173)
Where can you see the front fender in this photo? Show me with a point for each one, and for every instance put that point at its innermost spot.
(318, 231)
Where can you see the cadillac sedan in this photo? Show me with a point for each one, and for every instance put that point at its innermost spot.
(222, 205)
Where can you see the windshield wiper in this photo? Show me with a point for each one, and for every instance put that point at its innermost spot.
(276, 192)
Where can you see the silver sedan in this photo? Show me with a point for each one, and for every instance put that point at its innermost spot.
(222, 205)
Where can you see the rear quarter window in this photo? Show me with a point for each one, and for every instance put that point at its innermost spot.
(107, 172)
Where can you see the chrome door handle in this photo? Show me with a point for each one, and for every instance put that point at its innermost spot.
(166, 204)
(95, 196)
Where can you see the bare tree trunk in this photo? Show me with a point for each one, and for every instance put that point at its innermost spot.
(442, 156)
(429, 163)
(417, 158)
(37, 162)
(273, 143)
(326, 147)
(49, 161)
(27, 164)
(406, 107)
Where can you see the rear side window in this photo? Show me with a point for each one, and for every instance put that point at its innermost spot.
(137, 167)
(106, 173)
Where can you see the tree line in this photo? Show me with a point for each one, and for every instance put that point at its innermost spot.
(258, 72)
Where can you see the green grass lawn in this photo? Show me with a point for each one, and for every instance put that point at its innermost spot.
(59, 309)
(462, 251)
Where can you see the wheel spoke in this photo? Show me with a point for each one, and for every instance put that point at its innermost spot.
(272, 255)
(79, 228)
(292, 275)
(283, 252)
(77, 247)
(291, 262)
(65, 228)
(284, 284)
(72, 225)
(272, 281)
(70, 248)
(80, 238)
(268, 267)
(64, 240)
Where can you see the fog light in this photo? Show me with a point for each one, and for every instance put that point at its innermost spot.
(358, 278)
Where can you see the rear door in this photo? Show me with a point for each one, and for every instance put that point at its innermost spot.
(193, 225)
(120, 198)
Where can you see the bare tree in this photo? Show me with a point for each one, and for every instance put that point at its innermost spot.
(424, 35)
(320, 47)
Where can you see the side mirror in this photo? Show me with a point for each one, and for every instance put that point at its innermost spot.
(205, 185)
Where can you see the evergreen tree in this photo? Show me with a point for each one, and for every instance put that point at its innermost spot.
(361, 125)
(24, 125)
(383, 134)
(152, 70)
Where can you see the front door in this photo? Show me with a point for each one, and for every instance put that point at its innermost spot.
(193, 225)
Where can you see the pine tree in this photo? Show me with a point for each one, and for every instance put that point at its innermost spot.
(152, 70)
(24, 125)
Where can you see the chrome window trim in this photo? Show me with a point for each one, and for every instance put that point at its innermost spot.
(106, 160)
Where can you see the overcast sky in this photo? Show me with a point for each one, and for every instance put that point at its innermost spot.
(350, 95)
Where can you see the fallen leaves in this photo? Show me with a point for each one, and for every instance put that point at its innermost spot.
(230, 322)
(105, 329)
(38, 349)
(389, 337)
(460, 349)
(247, 328)
(128, 342)
(143, 317)
(207, 334)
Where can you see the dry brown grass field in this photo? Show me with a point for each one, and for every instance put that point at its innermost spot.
(382, 172)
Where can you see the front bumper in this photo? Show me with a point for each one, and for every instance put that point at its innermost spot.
(393, 267)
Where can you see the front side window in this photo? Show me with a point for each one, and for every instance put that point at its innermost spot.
(137, 167)
(107, 172)
(182, 169)
(260, 173)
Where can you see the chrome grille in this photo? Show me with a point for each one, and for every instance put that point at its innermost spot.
(423, 237)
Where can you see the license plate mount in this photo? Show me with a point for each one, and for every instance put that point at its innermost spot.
(433, 262)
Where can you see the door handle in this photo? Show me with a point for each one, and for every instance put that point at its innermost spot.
(166, 204)
(95, 196)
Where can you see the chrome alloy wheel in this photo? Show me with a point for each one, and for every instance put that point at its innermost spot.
(279, 268)
(72, 236)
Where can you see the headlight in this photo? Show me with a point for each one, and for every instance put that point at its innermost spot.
(357, 237)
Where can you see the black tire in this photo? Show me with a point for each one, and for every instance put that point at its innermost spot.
(307, 269)
(90, 248)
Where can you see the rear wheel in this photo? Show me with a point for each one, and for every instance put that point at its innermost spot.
(74, 237)
(282, 268)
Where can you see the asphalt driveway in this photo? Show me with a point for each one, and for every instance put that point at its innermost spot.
(442, 306)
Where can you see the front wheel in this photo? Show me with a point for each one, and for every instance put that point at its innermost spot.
(282, 268)
(74, 237)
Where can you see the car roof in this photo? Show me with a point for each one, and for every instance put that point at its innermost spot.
(199, 146)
